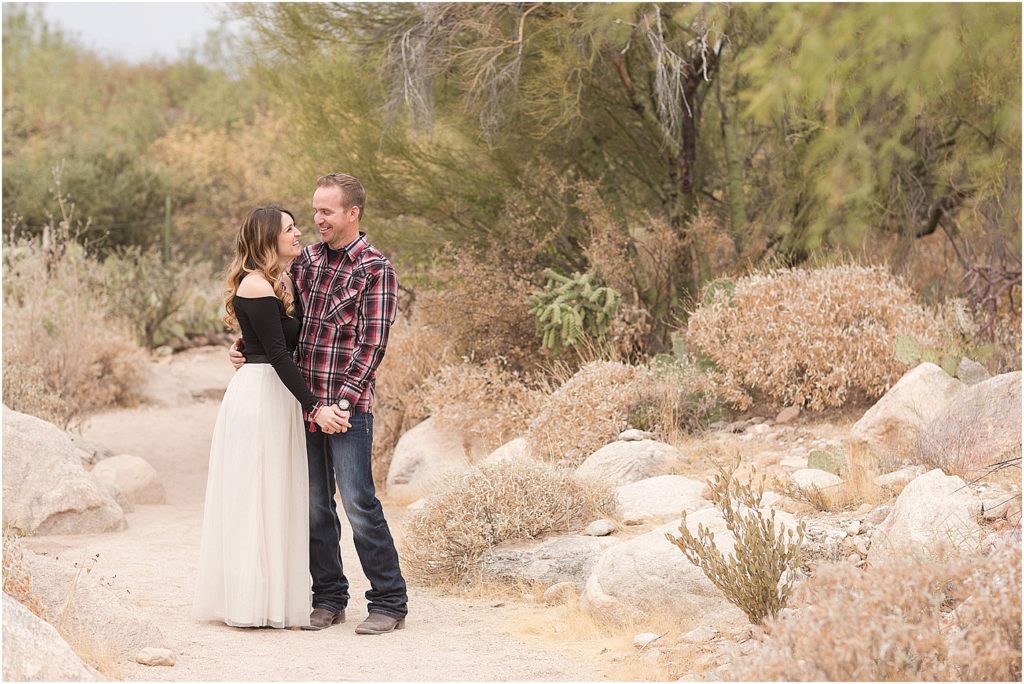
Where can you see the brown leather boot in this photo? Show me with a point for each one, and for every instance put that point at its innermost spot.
(321, 618)
(379, 623)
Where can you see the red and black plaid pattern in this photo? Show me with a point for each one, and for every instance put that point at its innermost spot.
(349, 299)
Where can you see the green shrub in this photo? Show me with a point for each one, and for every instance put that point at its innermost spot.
(572, 308)
(758, 576)
(162, 301)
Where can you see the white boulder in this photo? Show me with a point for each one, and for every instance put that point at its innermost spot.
(46, 489)
(424, 458)
(663, 497)
(35, 652)
(600, 528)
(552, 560)
(898, 479)
(620, 463)
(979, 427)
(893, 425)
(648, 574)
(810, 478)
(99, 618)
(133, 477)
(971, 372)
(934, 517)
(517, 448)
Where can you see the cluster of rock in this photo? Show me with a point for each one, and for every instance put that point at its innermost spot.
(624, 569)
(54, 483)
(53, 486)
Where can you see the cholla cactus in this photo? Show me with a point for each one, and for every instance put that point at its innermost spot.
(572, 307)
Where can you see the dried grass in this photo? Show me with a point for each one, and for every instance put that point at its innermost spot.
(488, 400)
(813, 338)
(16, 579)
(491, 504)
(910, 620)
(858, 485)
(58, 338)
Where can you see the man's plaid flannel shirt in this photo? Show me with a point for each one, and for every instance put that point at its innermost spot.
(349, 299)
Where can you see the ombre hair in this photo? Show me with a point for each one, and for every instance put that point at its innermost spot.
(256, 252)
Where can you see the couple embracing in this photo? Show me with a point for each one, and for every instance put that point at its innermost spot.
(270, 555)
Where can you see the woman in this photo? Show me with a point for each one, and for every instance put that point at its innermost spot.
(254, 554)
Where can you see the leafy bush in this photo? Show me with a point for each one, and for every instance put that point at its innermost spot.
(486, 400)
(491, 504)
(814, 338)
(758, 576)
(906, 621)
(162, 301)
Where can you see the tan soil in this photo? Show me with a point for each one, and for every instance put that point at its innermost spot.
(152, 566)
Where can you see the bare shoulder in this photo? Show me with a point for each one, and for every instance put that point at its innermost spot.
(255, 285)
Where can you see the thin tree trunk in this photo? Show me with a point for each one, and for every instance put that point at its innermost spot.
(737, 200)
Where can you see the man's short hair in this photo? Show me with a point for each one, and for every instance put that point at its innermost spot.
(352, 193)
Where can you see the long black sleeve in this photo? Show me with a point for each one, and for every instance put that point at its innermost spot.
(263, 316)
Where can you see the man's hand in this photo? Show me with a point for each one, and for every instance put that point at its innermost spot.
(332, 420)
(235, 355)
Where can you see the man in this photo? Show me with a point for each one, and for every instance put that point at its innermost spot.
(349, 296)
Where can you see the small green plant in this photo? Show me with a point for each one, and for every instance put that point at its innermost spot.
(570, 308)
(912, 352)
(959, 340)
(758, 575)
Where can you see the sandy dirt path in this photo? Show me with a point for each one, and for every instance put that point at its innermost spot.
(152, 565)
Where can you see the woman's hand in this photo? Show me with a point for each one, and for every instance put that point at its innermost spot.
(235, 355)
(331, 420)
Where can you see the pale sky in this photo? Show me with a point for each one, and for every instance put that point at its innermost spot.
(134, 31)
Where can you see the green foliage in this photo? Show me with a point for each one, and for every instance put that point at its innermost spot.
(758, 575)
(162, 301)
(912, 352)
(829, 461)
(960, 340)
(571, 308)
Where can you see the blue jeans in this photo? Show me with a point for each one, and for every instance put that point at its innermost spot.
(345, 458)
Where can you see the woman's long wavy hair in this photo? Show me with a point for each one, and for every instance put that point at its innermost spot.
(256, 251)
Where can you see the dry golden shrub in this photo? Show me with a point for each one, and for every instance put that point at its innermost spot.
(488, 400)
(587, 411)
(416, 350)
(492, 504)
(57, 334)
(484, 311)
(813, 338)
(17, 581)
(675, 398)
(227, 169)
(911, 620)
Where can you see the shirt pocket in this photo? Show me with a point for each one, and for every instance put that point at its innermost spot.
(341, 306)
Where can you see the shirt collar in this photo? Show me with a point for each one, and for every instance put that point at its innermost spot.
(352, 249)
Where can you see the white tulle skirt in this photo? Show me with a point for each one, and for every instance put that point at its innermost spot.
(254, 553)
